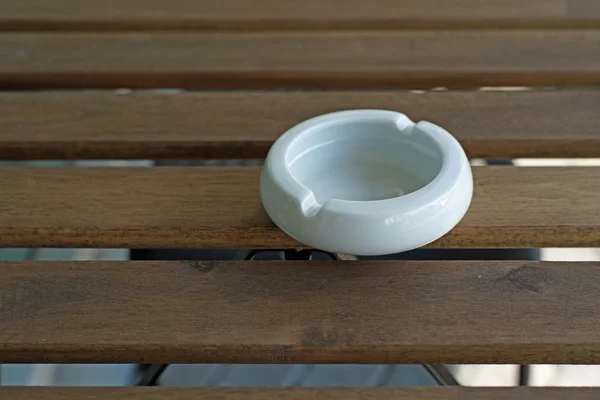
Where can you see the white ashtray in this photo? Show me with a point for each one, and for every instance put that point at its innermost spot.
(366, 182)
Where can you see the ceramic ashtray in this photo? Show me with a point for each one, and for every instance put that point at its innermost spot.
(366, 182)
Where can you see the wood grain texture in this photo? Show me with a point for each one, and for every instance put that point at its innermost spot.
(415, 59)
(105, 125)
(405, 393)
(310, 14)
(195, 207)
(300, 312)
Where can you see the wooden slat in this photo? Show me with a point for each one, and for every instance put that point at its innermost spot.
(300, 312)
(405, 393)
(220, 208)
(105, 125)
(309, 14)
(305, 60)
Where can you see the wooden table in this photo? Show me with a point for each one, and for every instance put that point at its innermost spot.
(60, 65)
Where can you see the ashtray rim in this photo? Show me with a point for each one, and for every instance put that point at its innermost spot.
(345, 226)
(309, 206)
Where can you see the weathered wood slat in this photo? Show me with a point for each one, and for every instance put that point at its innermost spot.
(300, 312)
(414, 59)
(104, 125)
(220, 208)
(405, 393)
(310, 14)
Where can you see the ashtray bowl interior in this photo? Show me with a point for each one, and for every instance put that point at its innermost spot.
(364, 161)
